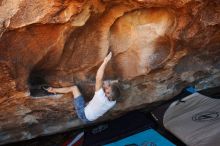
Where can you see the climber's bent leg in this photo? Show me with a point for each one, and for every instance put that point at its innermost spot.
(62, 90)
(75, 91)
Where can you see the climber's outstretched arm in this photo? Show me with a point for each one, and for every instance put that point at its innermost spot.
(100, 72)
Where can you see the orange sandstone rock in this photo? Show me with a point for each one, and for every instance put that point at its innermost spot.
(158, 46)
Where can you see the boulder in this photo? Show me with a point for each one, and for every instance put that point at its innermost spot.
(159, 47)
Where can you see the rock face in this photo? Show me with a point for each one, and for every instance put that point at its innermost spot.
(158, 47)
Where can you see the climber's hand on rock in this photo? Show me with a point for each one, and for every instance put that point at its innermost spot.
(108, 57)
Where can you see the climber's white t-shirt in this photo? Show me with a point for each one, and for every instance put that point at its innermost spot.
(98, 106)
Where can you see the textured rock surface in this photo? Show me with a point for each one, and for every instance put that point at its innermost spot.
(159, 47)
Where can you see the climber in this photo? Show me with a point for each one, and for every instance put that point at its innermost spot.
(106, 95)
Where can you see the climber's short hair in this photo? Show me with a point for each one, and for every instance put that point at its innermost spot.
(116, 93)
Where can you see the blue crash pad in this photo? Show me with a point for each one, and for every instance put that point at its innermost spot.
(146, 138)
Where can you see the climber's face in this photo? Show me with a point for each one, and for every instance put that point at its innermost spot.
(107, 88)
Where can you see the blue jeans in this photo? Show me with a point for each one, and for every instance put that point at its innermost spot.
(79, 104)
